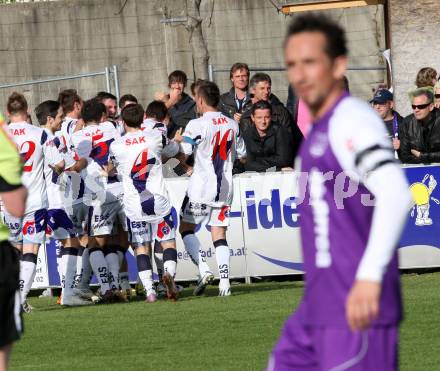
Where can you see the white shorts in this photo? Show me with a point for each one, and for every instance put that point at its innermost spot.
(142, 232)
(122, 219)
(101, 218)
(196, 213)
(59, 225)
(29, 229)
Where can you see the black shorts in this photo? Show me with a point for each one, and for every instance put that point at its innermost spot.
(11, 325)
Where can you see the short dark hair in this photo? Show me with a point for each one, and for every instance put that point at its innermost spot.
(157, 110)
(259, 77)
(127, 98)
(237, 67)
(261, 104)
(177, 76)
(103, 95)
(133, 115)
(426, 92)
(48, 108)
(68, 98)
(334, 34)
(194, 86)
(92, 111)
(209, 92)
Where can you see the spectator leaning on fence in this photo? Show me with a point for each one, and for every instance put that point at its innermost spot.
(181, 106)
(233, 103)
(268, 145)
(383, 104)
(420, 132)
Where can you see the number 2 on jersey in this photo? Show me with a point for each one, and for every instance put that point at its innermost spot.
(27, 149)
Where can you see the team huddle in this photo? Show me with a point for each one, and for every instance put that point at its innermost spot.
(96, 185)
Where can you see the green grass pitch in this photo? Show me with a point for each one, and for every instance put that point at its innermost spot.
(201, 333)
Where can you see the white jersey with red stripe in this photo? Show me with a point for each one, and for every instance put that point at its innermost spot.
(93, 142)
(215, 141)
(31, 142)
(140, 168)
(158, 131)
(67, 129)
(56, 152)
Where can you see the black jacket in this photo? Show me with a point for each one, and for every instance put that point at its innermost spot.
(181, 113)
(273, 150)
(228, 106)
(424, 138)
(280, 116)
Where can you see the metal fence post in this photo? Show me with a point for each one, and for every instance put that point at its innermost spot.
(210, 72)
(116, 80)
(107, 80)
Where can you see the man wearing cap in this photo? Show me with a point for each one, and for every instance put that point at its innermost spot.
(383, 104)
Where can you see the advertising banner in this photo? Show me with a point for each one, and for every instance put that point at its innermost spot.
(264, 237)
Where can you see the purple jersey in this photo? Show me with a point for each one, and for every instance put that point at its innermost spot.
(347, 143)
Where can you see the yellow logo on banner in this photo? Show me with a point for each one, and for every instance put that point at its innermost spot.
(422, 196)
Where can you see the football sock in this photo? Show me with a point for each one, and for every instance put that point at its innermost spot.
(28, 267)
(100, 268)
(69, 259)
(145, 272)
(84, 268)
(170, 261)
(222, 256)
(111, 256)
(194, 249)
(158, 259)
(78, 272)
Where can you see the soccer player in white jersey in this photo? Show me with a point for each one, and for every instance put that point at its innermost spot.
(59, 223)
(146, 200)
(28, 233)
(215, 141)
(93, 141)
(71, 104)
(154, 125)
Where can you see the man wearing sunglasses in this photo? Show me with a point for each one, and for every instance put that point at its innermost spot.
(420, 132)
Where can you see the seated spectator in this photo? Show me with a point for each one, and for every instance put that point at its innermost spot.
(234, 101)
(260, 88)
(420, 132)
(181, 106)
(268, 146)
(383, 104)
(427, 76)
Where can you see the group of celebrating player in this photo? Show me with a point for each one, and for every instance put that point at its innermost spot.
(96, 185)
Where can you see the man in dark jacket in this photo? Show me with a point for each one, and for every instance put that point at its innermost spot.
(260, 88)
(181, 106)
(420, 132)
(235, 100)
(268, 146)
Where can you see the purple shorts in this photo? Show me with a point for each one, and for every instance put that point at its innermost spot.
(309, 348)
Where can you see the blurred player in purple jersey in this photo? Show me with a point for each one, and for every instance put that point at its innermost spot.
(351, 309)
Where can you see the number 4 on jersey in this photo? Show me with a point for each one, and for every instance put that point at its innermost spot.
(141, 169)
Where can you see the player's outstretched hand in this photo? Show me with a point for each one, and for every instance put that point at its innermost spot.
(178, 136)
(362, 306)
